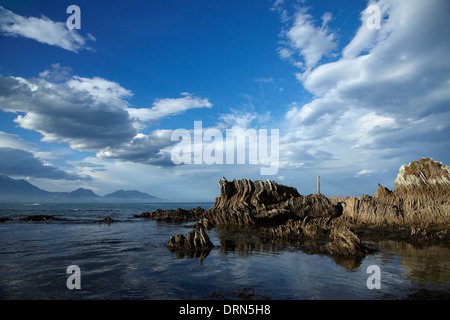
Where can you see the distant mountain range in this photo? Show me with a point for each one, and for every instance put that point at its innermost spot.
(12, 190)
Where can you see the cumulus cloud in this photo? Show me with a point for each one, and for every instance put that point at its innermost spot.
(91, 114)
(43, 30)
(146, 149)
(388, 88)
(23, 163)
(307, 39)
(101, 90)
(162, 108)
(64, 113)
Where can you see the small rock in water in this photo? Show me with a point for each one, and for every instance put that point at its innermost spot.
(192, 241)
(38, 217)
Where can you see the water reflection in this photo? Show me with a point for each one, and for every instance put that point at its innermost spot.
(253, 241)
(201, 254)
(350, 263)
(245, 248)
(249, 242)
(424, 264)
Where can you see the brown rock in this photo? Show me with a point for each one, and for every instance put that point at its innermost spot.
(107, 220)
(244, 202)
(194, 240)
(300, 230)
(178, 215)
(421, 198)
(346, 243)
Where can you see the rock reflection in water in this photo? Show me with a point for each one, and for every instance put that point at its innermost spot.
(201, 254)
(243, 242)
(424, 264)
(244, 248)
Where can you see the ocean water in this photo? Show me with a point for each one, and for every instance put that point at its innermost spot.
(129, 260)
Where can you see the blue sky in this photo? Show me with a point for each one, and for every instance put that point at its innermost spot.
(95, 107)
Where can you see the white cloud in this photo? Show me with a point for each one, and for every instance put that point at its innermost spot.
(166, 107)
(8, 140)
(101, 90)
(363, 173)
(146, 149)
(382, 102)
(42, 30)
(386, 82)
(91, 114)
(310, 41)
(237, 119)
(63, 113)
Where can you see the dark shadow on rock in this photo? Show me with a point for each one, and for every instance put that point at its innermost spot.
(196, 244)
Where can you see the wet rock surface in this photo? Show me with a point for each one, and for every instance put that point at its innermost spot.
(346, 243)
(196, 244)
(38, 217)
(177, 215)
(301, 230)
(194, 240)
(106, 220)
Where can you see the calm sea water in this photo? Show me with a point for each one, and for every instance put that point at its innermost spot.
(129, 260)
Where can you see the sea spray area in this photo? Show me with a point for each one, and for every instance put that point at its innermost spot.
(280, 245)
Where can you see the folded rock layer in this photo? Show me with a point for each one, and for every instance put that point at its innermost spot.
(246, 202)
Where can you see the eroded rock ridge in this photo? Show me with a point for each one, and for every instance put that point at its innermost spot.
(420, 201)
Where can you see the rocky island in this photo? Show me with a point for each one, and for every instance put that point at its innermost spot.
(418, 209)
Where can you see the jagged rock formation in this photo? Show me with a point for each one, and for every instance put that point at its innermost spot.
(301, 230)
(420, 202)
(244, 202)
(421, 198)
(346, 243)
(203, 223)
(194, 240)
(424, 174)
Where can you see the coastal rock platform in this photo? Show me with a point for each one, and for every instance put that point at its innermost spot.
(418, 209)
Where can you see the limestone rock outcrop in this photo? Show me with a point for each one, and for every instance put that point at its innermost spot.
(418, 209)
(346, 243)
(246, 202)
(194, 240)
(421, 198)
(301, 230)
(423, 175)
